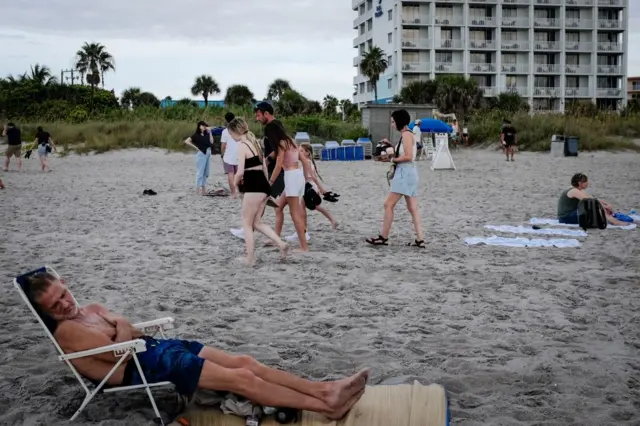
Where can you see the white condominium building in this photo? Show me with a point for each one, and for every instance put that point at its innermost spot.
(549, 51)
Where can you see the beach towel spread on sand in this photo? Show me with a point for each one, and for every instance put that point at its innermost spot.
(494, 240)
(528, 230)
(554, 222)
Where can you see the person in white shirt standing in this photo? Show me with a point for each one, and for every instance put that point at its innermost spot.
(417, 133)
(229, 155)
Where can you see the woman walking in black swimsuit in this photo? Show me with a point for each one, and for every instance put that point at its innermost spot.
(251, 180)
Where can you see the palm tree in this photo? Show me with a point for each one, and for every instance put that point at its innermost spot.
(205, 85)
(41, 75)
(130, 97)
(93, 58)
(238, 94)
(277, 89)
(372, 65)
(330, 105)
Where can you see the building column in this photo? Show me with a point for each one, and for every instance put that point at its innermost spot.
(432, 40)
(498, 52)
(594, 55)
(563, 59)
(531, 55)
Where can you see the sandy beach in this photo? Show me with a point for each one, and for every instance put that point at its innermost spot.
(538, 336)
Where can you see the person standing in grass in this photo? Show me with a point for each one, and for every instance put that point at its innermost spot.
(229, 155)
(202, 142)
(509, 139)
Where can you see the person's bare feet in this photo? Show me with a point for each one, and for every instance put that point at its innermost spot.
(284, 250)
(342, 390)
(339, 413)
(335, 225)
(301, 250)
(246, 260)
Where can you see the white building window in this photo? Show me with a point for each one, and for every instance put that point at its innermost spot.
(390, 83)
(390, 14)
(389, 61)
(390, 37)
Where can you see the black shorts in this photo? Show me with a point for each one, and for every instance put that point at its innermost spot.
(278, 186)
(255, 181)
(509, 144)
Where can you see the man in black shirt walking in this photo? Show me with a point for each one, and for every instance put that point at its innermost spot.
(509, 139)
(264, 114)
(14, 139)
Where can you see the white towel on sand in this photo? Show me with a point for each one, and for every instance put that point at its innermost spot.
(554, 222)
(528, 230)
(522, 242)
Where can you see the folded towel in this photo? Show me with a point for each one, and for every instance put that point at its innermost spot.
(554, 222)
(522, 242)
(548, 231)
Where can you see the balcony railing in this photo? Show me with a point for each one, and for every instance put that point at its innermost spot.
(416, 43)
(577, 69)
(356, 61)
(483, 1)
(546, 69)
(515, 45)
(580, 2)
(578, 23)
(482, 44)
(515, 68)
(516, 1)
(356, 3)
(482, 68)
(451, 1)
(520, 90)
(416, 67)
(519, 21)
(546, 22)
(450, 43)
(485, 21)
(422, 20)
(488, 91)
(577, 92)
(546, 45)
(449, 20)
(610, 24)
(609, 93)
(548, 2)
(610, 2)
(553, 92)
(604, 46)
(361, 39)
(578, 46)
(449, 67)
(609, 69)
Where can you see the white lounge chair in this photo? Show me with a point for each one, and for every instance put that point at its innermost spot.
(122, 350)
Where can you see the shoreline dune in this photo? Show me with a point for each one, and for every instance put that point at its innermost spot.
(516, 336)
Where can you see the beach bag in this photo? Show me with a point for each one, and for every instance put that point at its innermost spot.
(591, 214)
(311, 197)
(48, 148)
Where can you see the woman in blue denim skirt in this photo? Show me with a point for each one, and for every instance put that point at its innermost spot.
(404, 182)
(202, 141)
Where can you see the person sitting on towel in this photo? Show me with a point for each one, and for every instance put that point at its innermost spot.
(384, 151)
(187, 364)
(570, 198)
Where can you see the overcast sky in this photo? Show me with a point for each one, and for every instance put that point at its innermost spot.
(162, 45)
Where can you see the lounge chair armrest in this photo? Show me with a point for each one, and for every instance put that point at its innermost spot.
(151, 327)
(118, 349)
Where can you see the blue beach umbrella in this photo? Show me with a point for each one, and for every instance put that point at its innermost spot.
(431, 125)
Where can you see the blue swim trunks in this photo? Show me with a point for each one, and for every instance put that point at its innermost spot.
(168, 360)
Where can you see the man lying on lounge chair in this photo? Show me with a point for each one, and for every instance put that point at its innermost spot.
(187, 364)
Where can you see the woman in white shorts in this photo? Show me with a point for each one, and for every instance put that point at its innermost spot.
(288, 158)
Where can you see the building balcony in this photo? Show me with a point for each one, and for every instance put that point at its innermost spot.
(361, 19)
(604, 46)
(449, 20)
(543, 92)
(416, 43)
(355, 4)
(515, 68)
(515, 45)
(609, 69)
(362, 38)
(576, 46)
(489, 91)
(546, 23)
(580, 2)
(573, 23)
(422, 21)
(547, 2)
(610, 24)
(522, 22)
(483, 1)
(546, 69)
(485, 21)
(546, 45)
(416, 67)
(357, 60)
(451, 1)
(482, 68)
(522, 91)
(608, 93)
(516, 2)
(577, 92)
(482, 44)
(616, 3)
(578, 69)
(449, 67)
(451, 43)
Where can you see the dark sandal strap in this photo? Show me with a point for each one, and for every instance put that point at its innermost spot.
(378, 241)
(417, 243)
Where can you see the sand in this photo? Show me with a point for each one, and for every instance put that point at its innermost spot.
(517, 336)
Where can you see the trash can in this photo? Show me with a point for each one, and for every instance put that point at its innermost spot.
(571, 146)
(557, 145)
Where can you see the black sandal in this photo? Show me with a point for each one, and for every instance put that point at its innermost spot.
(416, 243)
(378, 241)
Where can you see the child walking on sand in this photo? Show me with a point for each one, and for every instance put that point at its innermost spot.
(313, 188)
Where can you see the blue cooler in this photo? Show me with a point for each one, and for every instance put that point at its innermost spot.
(342, 155)
(349, 153)
(358, 153)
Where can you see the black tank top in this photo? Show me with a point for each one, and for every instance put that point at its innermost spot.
(251, 161)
